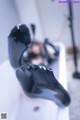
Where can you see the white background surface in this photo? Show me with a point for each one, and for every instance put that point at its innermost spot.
(18, 107)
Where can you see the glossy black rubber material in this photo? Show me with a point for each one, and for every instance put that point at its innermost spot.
(39, 82)
(18, 41)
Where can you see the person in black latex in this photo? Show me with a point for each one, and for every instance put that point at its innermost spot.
(37, 81)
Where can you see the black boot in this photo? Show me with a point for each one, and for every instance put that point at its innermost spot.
(39, 82)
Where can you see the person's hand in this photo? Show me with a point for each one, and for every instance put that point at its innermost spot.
(39, 81)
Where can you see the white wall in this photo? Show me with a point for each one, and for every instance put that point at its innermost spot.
(50, 18)
(53, 17)
(8, 18)
(76, 8)
(28, 14)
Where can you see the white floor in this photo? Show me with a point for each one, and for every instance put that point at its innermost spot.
(74, 89)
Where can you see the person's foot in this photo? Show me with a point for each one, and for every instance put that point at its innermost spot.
(39, 81)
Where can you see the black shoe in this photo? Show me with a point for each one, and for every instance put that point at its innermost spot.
(39, 82)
